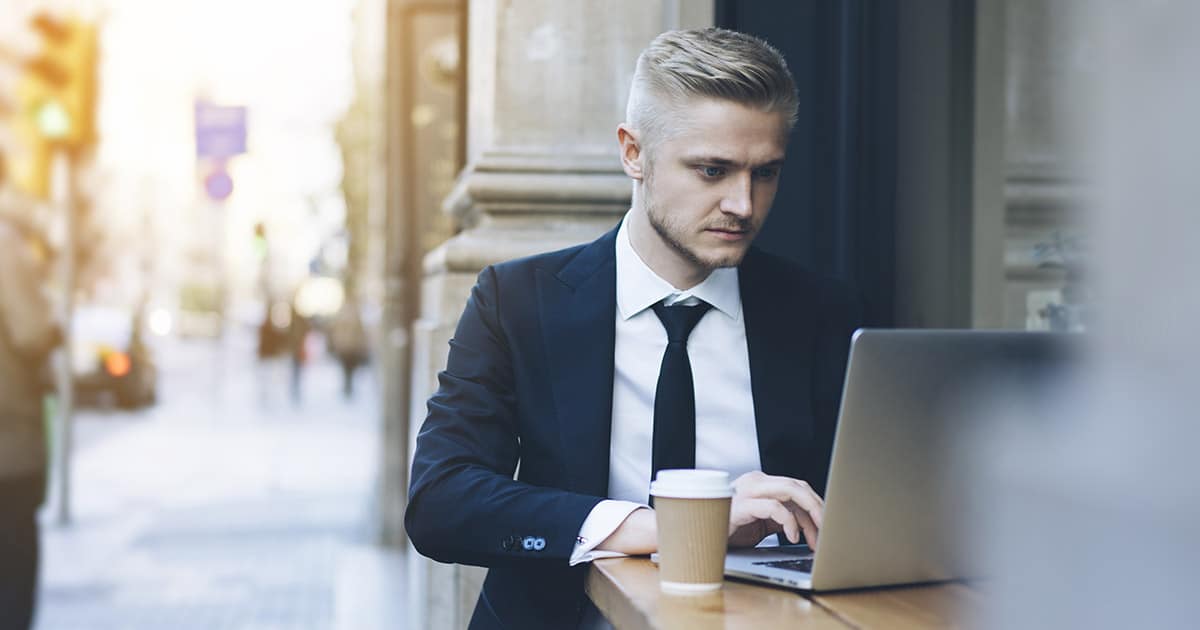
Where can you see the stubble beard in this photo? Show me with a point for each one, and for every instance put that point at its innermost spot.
(671, 235)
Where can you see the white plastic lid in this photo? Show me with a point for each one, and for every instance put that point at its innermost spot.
(692, 484)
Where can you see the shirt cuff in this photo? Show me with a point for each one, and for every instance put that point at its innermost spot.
(601, 522)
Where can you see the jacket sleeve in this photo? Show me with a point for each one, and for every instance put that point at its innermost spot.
(464, 505)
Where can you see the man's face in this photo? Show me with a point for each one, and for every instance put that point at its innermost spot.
(709, 186)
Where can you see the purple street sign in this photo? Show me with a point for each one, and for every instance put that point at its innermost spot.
(220, 130)
(218, 185)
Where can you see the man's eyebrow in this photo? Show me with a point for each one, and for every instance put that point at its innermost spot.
(719, 161)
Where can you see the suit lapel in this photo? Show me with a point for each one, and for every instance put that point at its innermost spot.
(779, 341)
(578, 313)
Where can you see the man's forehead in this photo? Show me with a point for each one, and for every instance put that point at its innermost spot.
(726, 130)
(723, 147)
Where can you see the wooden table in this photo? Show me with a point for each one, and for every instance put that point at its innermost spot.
(626, 592)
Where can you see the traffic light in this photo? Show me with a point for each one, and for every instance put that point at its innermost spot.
(55, 100)
(61, 81)
(29, 169)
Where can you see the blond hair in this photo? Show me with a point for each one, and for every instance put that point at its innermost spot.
(706, 63)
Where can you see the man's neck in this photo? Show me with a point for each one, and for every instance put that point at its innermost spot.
(659, 256)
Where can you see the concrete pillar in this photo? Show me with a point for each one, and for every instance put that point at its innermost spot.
(424, 107)
(547, 85)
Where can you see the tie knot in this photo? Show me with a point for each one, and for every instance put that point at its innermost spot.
(679, 320)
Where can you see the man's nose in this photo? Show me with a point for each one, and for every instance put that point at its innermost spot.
(738, 198)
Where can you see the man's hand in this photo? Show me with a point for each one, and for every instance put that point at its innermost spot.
(764, 504)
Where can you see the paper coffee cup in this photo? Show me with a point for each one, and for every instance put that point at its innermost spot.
(692, 511)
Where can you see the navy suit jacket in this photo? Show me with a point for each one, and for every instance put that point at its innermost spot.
(529, 381)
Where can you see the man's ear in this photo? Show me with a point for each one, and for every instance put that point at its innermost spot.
(632, 155)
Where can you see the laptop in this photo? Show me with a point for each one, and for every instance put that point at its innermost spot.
(896, 497)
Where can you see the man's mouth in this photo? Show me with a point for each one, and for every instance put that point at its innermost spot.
(729, 234)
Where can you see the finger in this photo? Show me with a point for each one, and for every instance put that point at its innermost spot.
(784, 489)
(817, 509)
(765, 509)
(807, 524)
(780, 488)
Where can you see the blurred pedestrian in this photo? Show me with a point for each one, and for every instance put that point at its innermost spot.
(28, 335)
(272, 346)
(273, 331)
(348, 340)
(298, 343)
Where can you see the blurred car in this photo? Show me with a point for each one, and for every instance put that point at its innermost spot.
(112, 358)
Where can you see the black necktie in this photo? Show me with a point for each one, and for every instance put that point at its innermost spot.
(674, 398)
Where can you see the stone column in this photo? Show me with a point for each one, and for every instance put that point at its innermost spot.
(547, 85)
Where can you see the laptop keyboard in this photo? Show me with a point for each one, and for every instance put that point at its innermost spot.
(803, 565)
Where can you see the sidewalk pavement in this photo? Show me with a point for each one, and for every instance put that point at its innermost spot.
(222, 508)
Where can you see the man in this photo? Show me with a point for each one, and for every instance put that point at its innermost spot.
(667, 343)
(28, 334)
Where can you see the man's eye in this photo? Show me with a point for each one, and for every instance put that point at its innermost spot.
(712, 171)
(766, 173)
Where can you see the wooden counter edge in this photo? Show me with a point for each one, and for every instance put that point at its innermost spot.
(616, 605)
(626, 592)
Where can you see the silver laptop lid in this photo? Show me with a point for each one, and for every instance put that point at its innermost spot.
(895, 504)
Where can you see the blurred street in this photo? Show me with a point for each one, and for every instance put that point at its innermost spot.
(226, 505)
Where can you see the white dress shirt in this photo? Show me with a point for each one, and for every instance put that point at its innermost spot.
(726, 438)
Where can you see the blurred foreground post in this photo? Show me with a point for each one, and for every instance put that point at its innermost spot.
(1092, 493)
(66, 384)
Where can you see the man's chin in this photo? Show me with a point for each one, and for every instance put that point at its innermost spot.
(725, 260)
(725, 254)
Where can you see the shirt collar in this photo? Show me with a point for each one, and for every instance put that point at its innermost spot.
(639, 288)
